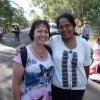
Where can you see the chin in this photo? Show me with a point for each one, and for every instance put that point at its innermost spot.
(42, 42)
(67, 36)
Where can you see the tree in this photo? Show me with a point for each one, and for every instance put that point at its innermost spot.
(9, 14)
(81, 9)
(33, 14)
(5, 13)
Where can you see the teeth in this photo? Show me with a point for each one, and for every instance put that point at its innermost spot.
(43, 39)
(67, 33)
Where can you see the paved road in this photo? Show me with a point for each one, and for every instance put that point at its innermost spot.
(7, 52)
(93, 91)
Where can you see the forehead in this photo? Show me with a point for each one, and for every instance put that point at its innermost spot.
(63, 21)
(42, 25)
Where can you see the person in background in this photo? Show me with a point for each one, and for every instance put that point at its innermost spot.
(1, 34)
(71, 58)
(16, 30)
(95, 67)
(33, 82)
(85, 31)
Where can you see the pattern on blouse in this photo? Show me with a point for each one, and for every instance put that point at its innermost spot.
(30, 61)
(42, 78)
(74, 69)
(65, 69)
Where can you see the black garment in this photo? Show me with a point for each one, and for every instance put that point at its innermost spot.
(64, 94)
(75, 33)
(98, 69)
(86, 37)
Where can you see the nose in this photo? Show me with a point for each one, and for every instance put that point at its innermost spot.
(43, 33)
(64, 28)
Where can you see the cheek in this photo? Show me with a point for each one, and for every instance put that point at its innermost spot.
(35, 35)
(60, 31)
(48, 35)
(72, 28)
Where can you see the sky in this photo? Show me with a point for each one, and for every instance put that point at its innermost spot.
(26, 7)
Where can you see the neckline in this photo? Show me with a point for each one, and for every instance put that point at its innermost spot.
(67, 46)
(34, 57)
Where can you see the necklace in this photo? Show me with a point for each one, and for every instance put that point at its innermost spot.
(38, 51)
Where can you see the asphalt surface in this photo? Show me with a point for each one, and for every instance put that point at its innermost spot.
(7, 52)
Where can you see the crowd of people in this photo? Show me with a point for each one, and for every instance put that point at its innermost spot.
(62, 74)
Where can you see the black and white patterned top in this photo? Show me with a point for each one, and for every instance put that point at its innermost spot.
(69, 64)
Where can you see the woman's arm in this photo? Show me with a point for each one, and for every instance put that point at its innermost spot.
(87, 70)
(17, 75)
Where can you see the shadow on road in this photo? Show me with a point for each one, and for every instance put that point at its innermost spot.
(7, 52)
(93, 91)
(9, 39)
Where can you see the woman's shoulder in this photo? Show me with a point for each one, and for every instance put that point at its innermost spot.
(55, 37)
(81, 40)
(96, 46)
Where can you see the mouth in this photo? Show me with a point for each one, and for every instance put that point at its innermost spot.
(43, 39)
(66, 35)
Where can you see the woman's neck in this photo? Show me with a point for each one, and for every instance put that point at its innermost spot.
(70, 42)
(39, 50)
(38, 47)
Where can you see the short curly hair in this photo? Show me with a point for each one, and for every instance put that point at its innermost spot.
(37, 23)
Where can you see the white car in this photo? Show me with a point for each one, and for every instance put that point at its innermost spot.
(53, 29)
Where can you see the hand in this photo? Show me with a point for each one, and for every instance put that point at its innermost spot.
(19, 47)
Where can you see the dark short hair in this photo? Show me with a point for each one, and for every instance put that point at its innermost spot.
(37, 23)
(98, 39)
(67, 16)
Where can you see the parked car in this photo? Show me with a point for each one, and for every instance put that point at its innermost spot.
(53, 29)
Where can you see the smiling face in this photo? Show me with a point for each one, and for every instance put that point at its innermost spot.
(65, 28)
(41, 34)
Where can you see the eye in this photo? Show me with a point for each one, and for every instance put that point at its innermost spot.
(67, 25)
(46, 32)
(39, 31)
(60, 27)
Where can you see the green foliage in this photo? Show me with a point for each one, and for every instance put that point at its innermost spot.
(5, 13)
(5, 9)
(83, 10)
(80, 8)
(18, 17)
(8, 15)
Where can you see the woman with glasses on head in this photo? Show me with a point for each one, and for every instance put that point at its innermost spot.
(71, 58)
